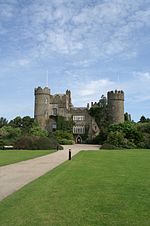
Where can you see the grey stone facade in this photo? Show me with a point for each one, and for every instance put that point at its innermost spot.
(47, 106)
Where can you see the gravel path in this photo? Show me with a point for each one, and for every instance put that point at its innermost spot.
(15, 176)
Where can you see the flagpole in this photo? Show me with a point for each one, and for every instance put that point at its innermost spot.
(47, 78)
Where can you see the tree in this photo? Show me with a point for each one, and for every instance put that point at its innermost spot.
(3, 122)
(8, 134)
(143, 119)
(64, 137)
(103, 102)
(37, 131)
(129, 129)
(127, 117)
(16, 122)
(100, 113)
(25, 123)
(116, 138)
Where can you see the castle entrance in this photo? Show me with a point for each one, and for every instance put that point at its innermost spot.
(78, 139)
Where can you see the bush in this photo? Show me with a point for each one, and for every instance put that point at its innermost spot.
(129, 129)
(36, 143)
(26, 142)
(129, 144)
(146, 141)
(66, 142)
(144, 127)
(64, 137)
(37, 131)
(107, 146)
(8, 132)
(45, 143)
(100, 138)
(116, 138)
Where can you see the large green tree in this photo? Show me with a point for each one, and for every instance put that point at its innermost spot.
(36, 130)
(143, 119)
(8, 135)
(100, 113)
(25, 123)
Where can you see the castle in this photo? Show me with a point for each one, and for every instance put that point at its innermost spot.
(48, 106)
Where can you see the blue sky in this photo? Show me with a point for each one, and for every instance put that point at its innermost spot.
(88, 46)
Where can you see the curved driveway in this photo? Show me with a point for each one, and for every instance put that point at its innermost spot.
(15, 176)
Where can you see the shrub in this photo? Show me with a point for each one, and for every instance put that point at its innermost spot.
(45, 143)
(129, 144)
(66, 142)
(60, 134)
(116, 138)
(146, 141)
(100, 138)
(8, 132)
(107, 146)
(64, 137)
(36, 143)
(37, 131)
(144, 127)
(130, 131)
(26, 142)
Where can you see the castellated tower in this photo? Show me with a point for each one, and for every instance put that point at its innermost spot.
(115, 106)
(42, 101)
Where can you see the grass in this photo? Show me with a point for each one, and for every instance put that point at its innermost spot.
(105, 188)
(13, 156)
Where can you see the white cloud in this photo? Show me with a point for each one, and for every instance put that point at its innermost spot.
(18, 63)
(95, 87)
(143, 76)
(102, 29)
(136, 89)
(7, 9)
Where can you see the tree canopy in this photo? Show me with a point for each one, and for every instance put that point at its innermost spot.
(100, 113)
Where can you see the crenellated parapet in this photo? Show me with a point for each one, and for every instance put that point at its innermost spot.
(44, 91)
(115, 95)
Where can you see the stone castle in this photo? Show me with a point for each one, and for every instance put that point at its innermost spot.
(47, 106)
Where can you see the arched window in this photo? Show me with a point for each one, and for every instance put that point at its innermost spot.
(54, 111)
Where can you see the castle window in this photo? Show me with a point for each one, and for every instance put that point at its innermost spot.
(46, 100)
(78, 118)
(78, 130)
(54, 126)
(54, 111)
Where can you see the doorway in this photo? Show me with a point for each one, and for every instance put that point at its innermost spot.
(78, 140)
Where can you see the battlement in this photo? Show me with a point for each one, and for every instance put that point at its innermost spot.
(68, 92)
(59, 95)
(39, 90)
(58, 99)
(115, 95)
(116, 91)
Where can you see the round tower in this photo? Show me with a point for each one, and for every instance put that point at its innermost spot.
(115, 106)
(42, 104)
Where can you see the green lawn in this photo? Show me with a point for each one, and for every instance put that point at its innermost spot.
(105, 188)
(12, 156)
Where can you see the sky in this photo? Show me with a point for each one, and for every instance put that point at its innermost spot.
(87, 46)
